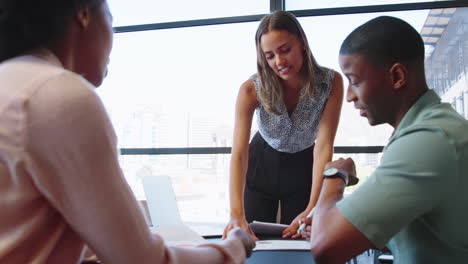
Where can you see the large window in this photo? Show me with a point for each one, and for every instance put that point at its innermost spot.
(201, 182)
(176, 88)
(156, 11)
(303, 4)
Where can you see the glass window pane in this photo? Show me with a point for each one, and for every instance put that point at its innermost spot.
(447, 60)
(365, 163)
(446, 45)
(306, 4)
(200, 182)
(177, 88)
(156, 11)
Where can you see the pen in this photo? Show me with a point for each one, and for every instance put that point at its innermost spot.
(303, 225)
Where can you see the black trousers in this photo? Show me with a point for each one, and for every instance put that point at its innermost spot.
(274, 176)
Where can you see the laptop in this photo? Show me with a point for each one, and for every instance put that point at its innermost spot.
(164, 212)
(161, 200)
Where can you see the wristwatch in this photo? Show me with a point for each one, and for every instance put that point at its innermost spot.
(336, 173)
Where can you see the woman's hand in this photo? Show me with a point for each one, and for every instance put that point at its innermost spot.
(238, 222)
(308, 222)
(291, 230)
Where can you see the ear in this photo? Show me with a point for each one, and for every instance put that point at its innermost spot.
(83, 17)
(399, 75)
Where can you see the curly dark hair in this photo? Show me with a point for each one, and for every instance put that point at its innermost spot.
(27, 24)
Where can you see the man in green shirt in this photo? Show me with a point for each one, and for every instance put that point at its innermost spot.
(415, 203)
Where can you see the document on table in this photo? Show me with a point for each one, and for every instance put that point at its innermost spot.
(207, 229)
(288, 244)
(265, 228)
(178, 235)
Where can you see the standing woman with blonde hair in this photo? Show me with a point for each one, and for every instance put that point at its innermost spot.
(60, 181)
(297, 103)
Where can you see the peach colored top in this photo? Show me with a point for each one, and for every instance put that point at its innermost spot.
(60, 182)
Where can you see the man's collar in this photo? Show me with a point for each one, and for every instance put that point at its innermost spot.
(428, 98)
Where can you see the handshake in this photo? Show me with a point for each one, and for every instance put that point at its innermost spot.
(245, 238)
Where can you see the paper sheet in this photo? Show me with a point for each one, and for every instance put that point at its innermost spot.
(265, 228)
(207, 229)
(178, 235)
(282, 245)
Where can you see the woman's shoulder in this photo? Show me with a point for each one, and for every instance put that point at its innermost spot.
(247, 94)
(251, 84)
(324, 78)
(45, 82)
(249, 87)
(64, 90)
(75, 83)
(255, 80)
(324, 73)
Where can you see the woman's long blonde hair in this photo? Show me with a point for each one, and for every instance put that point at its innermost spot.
(271, 92)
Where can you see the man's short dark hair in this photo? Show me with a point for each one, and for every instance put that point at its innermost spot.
(385, 40)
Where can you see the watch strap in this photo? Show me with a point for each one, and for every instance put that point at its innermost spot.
(338, 174)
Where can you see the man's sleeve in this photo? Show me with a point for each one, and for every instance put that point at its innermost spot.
(414, 176)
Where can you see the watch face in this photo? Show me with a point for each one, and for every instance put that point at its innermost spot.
(330, 172)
